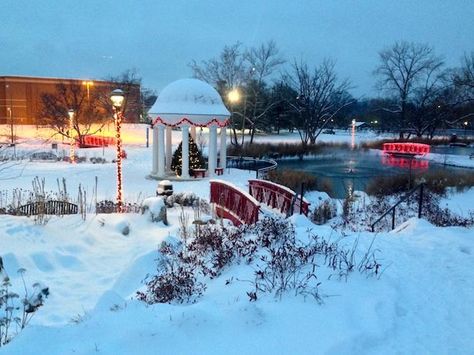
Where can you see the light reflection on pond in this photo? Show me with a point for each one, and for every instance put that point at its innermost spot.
(350, 170)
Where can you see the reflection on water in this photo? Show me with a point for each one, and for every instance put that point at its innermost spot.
(350, 170)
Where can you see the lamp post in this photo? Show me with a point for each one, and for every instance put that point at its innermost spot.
(88, 84)
(465, 128)
(71, 136)
(234, 97)
(117, 97)
(353, 134)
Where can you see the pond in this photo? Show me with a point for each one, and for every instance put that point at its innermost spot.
(350, 170)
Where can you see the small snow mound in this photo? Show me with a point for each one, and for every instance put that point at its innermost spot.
(155, 209)
(414, 224)
(10, 264)
(110, 300)
(123, 226)
(130, 280)
(154, 204)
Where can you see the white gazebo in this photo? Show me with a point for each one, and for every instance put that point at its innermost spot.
(187, 103)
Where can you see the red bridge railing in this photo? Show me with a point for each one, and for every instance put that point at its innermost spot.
(278, 196)
(233, 203)
(406, 148)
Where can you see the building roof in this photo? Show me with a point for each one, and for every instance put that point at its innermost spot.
(189, 101)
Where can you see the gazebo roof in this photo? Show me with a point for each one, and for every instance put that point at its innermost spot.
(189, 101)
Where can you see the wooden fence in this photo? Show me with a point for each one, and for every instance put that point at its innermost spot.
(47, 207)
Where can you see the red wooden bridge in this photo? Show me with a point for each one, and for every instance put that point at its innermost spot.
(233, 203)
(243, 208)
(406, 148)
(278, 197)
(93, 141)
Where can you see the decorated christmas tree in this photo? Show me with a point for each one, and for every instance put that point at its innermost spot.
(196, 161)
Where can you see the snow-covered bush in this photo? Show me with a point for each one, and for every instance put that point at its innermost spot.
(281, 262)
(155, 209)
(188, 199)
(324, 212)
(177, 280)
(15, 311)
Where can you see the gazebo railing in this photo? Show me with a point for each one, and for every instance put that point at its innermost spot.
(261, 166)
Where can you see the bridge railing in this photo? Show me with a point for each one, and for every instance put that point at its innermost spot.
(278, 196)
(261, 166)
(232, 203)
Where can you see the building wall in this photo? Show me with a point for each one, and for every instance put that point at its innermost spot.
(23, 96)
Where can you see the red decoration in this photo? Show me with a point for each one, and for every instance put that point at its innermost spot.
(96, 141)
(118, 125)
(406, 148)
(233, 203)
(277, 196)
(191, 123)
(404, 162)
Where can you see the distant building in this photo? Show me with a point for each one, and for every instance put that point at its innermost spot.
(20, 97)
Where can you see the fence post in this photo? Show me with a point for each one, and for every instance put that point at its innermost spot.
(420, 201)
(301, 197)
(393, 218)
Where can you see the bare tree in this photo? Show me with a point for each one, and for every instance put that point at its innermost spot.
(320, 97)
(465, 76)
(227, 71)
(88, 110)
(138, 100)
(247, 70)
(402, 68)
(263, 61)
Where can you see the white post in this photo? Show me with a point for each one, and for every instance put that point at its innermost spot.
(193, 133)
(154, 169)
(185, 152)
(223, 152)
(168, 148)
(161, 151)
(212, 160)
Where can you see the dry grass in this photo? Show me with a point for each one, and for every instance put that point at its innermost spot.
(436, 182)
(294, 178)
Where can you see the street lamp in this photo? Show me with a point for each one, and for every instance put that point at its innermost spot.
(117, 97)
(71, 137)
(465, 128)
(234, 96)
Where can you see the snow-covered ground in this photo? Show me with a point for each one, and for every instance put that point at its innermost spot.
(420, 304)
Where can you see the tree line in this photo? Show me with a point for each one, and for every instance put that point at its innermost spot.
(418, 92)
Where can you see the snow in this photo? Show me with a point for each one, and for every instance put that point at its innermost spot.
(420, 304)
(192, 99)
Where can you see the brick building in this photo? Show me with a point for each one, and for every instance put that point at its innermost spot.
(20, 97)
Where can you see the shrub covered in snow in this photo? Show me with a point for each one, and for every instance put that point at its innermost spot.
(188, 199)
(16, 311)
(155, 209)
(280, 261)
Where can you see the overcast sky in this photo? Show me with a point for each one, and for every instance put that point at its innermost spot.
(98, 38)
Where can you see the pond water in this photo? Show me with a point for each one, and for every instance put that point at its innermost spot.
(350, 170)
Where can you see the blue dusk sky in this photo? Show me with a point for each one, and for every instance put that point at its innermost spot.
(98, 38)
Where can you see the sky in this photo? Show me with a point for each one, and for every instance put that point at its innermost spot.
(95, 39)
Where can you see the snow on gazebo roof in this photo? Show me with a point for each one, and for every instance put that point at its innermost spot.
(189, 101)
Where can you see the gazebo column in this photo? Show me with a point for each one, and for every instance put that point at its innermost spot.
(168, 148)
(185, 153)
(161, 151)
(212, 160)
(154, 169)
(193, 133)
(223, 152)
